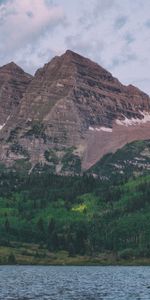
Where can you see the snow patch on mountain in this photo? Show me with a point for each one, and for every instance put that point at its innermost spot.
(134, 121)
(106, 129)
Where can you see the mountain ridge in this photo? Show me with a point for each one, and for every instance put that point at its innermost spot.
(72, 103)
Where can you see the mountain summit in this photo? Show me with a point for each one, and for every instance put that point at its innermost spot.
(69, 114)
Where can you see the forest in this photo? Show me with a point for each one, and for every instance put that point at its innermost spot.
(80, 215)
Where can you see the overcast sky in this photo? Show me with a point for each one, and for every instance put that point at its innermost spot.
(114, 33)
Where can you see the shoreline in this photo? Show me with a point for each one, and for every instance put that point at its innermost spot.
(77, 261)
(34, 255)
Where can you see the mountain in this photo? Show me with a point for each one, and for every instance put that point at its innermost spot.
(70, 115)
(13, 84)
(133, 160)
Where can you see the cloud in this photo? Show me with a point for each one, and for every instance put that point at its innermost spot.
(129, 38)
(30, 14)
(120, 22)
(113, 33)
(22, 22)
(102, 7)
(147, 23)
(3, 1)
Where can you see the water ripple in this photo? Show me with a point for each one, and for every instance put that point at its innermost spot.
(74, 283)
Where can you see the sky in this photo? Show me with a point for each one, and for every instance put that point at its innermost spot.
(114, 33)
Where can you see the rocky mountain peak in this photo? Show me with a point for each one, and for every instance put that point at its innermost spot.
(82, 62)
(69, 54)
(72, 109)
(11, 68)
(13, 84)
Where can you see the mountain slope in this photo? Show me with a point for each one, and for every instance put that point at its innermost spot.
(13, 83)
(74, 106)
(132, 160)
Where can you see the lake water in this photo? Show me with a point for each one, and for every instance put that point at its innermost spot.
(74, 283)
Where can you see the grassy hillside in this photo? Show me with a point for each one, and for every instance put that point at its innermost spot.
(79, 216)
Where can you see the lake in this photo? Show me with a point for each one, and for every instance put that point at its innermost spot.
(74, 283)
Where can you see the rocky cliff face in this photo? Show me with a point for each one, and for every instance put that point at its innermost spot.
(72, 113)
(13, 84)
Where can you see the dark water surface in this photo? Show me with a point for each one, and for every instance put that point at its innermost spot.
(74, 283)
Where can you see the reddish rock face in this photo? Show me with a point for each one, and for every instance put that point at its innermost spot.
(72, 102)
(13, 84)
